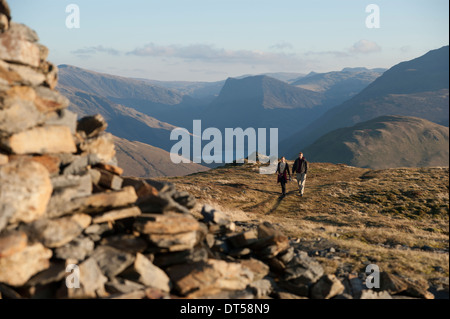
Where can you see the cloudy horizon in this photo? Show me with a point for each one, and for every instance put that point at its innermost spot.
(199, 40)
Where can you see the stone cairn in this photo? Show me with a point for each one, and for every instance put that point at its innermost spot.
(63, 202)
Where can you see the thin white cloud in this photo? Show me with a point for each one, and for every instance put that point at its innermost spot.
(89, 51)
(209, 53)
(365, 46)
(361, 47)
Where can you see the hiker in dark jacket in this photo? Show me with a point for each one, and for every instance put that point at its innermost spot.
(282, 171)
(300, 168)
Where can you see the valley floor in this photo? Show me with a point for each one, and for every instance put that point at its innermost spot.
(348, 218)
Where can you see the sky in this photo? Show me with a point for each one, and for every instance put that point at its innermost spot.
(211, 40)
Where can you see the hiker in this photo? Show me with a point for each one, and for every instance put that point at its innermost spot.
(283, 170)
(301, 169)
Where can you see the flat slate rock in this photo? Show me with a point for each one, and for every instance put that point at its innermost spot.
(210, 277)
(117, 214)
(151, 275)
(55, 233)
(166, 224)
(327, 287)
(125, 242)
(112, 261)
(78, 249)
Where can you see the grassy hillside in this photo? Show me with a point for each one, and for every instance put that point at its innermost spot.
(396, 218)
(384, 142)
(143, 160)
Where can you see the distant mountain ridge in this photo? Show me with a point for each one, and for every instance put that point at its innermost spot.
(143, 110)
(339, 86)
(417, 88)
(115, 88)
(384, 142)
(272, 93)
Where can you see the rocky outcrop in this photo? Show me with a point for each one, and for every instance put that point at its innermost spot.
(72, 227)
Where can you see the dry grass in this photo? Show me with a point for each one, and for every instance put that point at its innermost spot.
(397, 218)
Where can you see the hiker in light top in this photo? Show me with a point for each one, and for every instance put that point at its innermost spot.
(301, 169)
(282, 171)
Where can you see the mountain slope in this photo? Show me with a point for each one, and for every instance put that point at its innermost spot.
(269, 92)
(417, 88)
(385, 142)
(115, 88)
(263, 102)
(122, 121)
(167, 104)
(198, 90)
(339, 86)
(143, 160)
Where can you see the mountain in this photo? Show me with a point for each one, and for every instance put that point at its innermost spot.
(263, 102)
(207, 90)
(418, 88)
(339, 86)
(116, 88)
(255, 101)
(122, 121)
(198, 90)
(384, 142)
(145, 96)
(142, 160)
(287, 77)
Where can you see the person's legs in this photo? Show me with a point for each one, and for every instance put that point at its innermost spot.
(283, 187)
(299, 179)
(302, 183)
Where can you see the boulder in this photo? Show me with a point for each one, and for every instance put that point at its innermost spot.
(117, 214)
(125, 242)
(92, 125)
(78, 249)
(55, 233)
(41, 140)
(111, 260)
(150, 275)
(209, 277)
(25, 190)
(17, 268)
(258, 268)
(92, 281)
(12, 242)
(303, 269)
(171, 223)
(15, 46)
(327, 287)
(102, 146)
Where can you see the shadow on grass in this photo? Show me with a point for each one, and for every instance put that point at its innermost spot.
(279, 200)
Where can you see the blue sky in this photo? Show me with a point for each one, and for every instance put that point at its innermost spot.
(208, 40)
